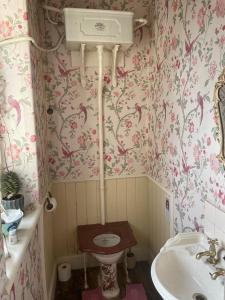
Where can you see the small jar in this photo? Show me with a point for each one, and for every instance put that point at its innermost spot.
(12, 236)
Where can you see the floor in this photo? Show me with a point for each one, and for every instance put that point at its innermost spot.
(72, 289)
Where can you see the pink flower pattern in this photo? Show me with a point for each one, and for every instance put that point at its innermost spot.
(159, 120)
(23, 129)
(192, 172)
(220, 8)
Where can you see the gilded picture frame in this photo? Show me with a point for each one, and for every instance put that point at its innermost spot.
(219, 106)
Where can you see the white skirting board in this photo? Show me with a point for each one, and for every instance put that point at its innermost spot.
(51, 292)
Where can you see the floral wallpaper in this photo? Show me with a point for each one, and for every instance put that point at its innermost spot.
(159, 120)
(13, 18)
(187, 54)
(73, 122)
(18, 137)
(2, 266)
(22, 123)
(28, 284)
(37, 60)
(23, 127)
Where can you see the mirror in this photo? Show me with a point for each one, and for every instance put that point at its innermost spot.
(219, 104)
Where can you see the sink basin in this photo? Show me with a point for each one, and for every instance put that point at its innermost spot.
(178, 275)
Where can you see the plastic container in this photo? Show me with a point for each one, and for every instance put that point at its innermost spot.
(12, 237)
(131, 260)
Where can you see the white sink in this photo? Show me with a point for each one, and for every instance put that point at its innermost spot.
(178, 275)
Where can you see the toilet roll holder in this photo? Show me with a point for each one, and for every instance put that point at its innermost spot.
(50, 203)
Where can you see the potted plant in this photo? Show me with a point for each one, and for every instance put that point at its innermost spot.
(10, 187)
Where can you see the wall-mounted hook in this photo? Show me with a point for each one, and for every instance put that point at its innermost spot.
(50, 203)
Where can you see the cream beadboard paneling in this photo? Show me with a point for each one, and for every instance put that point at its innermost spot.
(78, 203)
(138, 200)
(159, 229)
(49, 250)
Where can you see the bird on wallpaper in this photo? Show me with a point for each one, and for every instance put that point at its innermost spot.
(200, 100)
(67, 153)
(64, 72)
(167, 8)
(159, 65)
(139, 111)
(122, 151)
(141, 33)
(121, 73)
(164, 109)
(2, 86)
(186, 168)
(157, 154)
(188, 44)
(13, 292)
(188, 47)
(83, 110)
(15, 105)
(197, 226)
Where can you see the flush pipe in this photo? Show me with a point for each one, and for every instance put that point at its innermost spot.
(114, 55)
(82, 67)
(101, 133)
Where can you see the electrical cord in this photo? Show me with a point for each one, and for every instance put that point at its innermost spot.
(142, 22)
(48, 16)
(32, 40)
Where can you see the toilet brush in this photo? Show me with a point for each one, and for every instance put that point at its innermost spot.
(131, 260)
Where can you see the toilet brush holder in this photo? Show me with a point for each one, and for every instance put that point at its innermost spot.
(131, 260)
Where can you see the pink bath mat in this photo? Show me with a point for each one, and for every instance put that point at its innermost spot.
(92, 295)
(133, 292)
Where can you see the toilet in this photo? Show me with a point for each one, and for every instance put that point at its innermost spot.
(107, 244)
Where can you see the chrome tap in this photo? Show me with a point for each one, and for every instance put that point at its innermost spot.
(219, 272)
(213, 259)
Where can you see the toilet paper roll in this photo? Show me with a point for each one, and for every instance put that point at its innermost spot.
(64, 272)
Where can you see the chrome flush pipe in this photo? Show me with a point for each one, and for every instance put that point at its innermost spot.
(100, 49)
